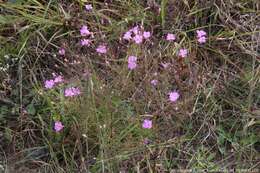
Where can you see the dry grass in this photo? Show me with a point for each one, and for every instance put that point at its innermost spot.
(214, 126)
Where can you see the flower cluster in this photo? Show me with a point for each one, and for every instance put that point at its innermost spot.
(201, 36)
(174, 96)
(58, 126)
(183, 53)
(88, 7)
(170, 37)
(132, 64)
(147, 124)
(85, 42)
(48, 84)
(62, 51)
(137, 35)
(72, 91)
(102, 49)
(84, 32)
(69, 92)
(154, 82)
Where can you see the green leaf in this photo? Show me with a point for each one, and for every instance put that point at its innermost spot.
(31, 109)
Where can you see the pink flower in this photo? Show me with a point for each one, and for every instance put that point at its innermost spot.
(58, 79)
(72, 91)
(138, 39)
(127, 36)
(201, 36)
(174, 96)
(88, 7)
(183, 53)
(58, 126)
(146, 34)
(49, 84)
(147, 124)
(84, 31)
(201, 33)
(101, 49)
(85, 42)
(132, 62)
(135, 30)
(202, 40)
(154, 82)
(170, 37)
(62, 51)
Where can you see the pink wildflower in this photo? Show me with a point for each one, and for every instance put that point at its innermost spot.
(132, 62)
(127, 36)
(147, 124)
(135, 30)
(58, 126)
(202, 40)
(170, 37)
(84, 31)
(138, 39)
(201, 36)
(201, 33)
(154, 82)
(85, 42)
(183, 53)
(62, 51)
(101, 49)
(49, 84)
(88, 7)
(73, 91)
(174, 96)
(58, 79)
(146, 34)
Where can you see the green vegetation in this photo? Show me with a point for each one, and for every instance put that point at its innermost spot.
(213, 126)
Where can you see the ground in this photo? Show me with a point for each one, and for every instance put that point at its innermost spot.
(129, 86)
